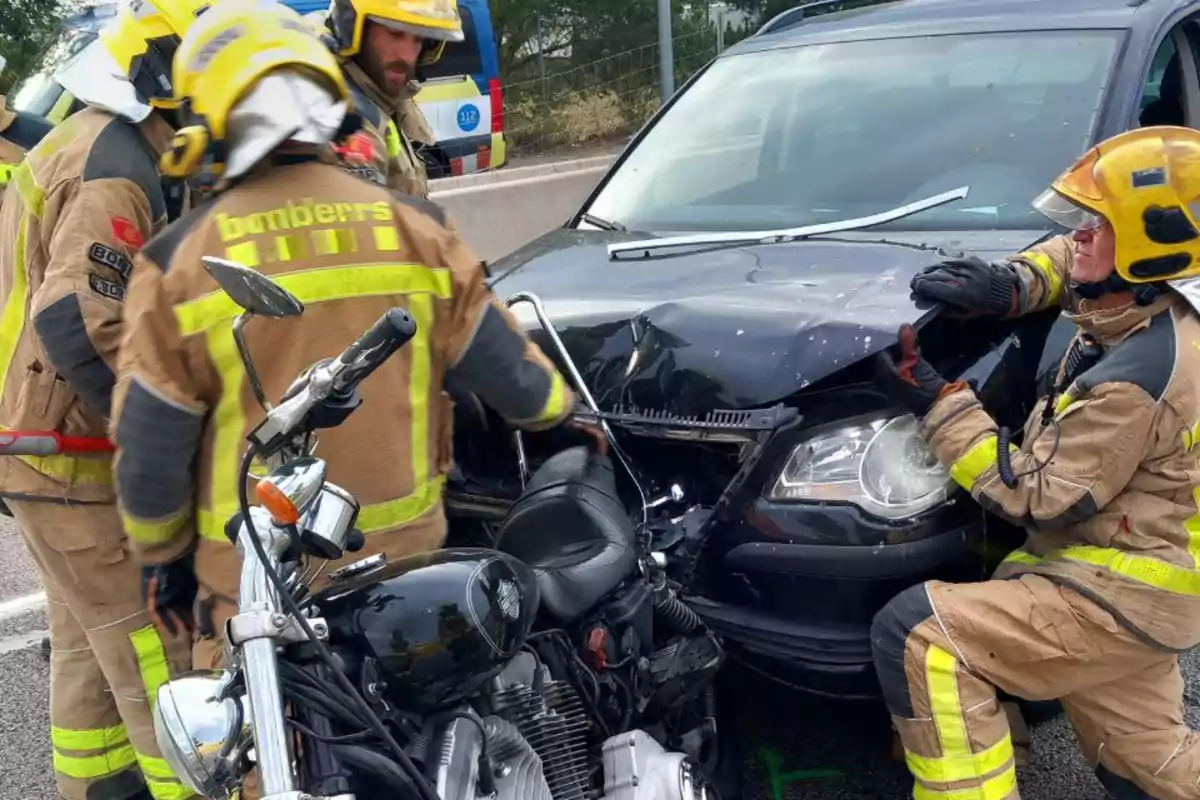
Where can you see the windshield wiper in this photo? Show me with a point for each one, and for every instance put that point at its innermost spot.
(599, 222)
(788, 234)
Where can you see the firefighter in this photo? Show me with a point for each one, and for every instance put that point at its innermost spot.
(75, 213)
(1104, 595)
(380, 44)
(19, 132)
(349, 250)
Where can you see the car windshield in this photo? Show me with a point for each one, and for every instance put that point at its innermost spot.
(826, 132)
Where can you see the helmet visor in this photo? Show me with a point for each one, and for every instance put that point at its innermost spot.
(1070, 215)
(436, 32)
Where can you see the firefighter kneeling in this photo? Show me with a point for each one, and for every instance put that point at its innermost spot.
(266, 96)
(1104, 595)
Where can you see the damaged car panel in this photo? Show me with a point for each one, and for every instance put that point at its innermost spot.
(785, 495)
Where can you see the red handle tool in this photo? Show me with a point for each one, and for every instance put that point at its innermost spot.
(51, 443)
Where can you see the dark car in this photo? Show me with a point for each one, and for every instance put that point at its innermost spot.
(819, 502)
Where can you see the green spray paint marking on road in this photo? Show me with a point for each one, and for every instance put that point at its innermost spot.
(770, 756)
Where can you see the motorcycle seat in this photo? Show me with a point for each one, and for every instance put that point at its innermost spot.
(571, 528)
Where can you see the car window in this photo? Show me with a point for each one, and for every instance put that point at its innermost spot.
(818, 133)
(1162, 95)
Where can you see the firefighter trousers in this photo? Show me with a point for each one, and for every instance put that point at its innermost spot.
(941, 651)
(107, 659)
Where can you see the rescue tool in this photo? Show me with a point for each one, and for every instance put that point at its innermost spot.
(51, 443)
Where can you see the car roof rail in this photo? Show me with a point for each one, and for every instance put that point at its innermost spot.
(797, 14)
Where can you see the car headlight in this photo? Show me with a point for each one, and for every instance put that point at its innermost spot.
(881, 465)
(201, 737)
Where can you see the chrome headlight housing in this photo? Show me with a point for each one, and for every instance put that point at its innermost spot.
(882, 465)
(202, 736)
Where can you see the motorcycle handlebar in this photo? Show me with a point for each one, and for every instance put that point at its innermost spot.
(389, 333)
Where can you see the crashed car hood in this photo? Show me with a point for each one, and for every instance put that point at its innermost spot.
(731, 327)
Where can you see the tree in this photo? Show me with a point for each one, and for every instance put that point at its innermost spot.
(29, 29)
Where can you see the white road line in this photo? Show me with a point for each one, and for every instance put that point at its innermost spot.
(22, 605)
(22, 641)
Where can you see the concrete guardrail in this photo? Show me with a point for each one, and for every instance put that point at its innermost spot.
(498, 212)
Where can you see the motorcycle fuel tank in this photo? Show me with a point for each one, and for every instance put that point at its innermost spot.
(438, 624)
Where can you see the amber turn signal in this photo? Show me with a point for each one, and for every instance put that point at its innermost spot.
(282, 509)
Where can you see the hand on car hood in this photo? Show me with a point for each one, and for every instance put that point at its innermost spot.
(718, 328)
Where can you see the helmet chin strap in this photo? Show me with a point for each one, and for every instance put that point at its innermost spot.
(1143, 293)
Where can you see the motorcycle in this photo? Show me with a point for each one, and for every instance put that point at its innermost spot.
(557, 665)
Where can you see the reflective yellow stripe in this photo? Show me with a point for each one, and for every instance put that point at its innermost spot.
(958, 762)
(1191, 437)
(230, 426)
(976, 461)
(6, 173)
(161, 781)
(1064, 400)
(156, 532)
(556, 402)
(334, 241)
(1022, 557)
(1046, 267)
(393, 139)
(318, 286)
(97, 739)
(12, 319)
(245, 254)
(940, 671)
(951, 769)
(152, 661)
(998, 788)
(1143, 569)
(387, 238)
(32, 195)
(91, 767)
(1192, 526)
(420, 306)
(208, 313)
(292, 247)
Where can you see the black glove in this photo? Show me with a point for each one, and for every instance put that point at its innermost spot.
(169, 590)
(970, 286)
(911, 382)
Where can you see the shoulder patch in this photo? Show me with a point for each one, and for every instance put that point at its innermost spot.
(426, 207)
(160, 250)
(107, 288)
(105, 256)
(1146, 359)
(121, 152)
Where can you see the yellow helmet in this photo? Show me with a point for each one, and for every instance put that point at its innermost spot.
(248, 77)
(1146, 184)
(142, 40)
(435, 21)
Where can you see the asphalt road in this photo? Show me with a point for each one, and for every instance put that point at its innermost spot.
(814, 750)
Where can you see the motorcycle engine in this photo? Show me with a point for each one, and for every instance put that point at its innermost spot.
(539, 744)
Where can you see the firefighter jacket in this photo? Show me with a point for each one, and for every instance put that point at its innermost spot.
(1115, 512)
(77, 210)
(385, 149)
(18, 134)
(184, 405)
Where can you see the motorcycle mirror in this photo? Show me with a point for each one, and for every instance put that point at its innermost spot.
(252, 290)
